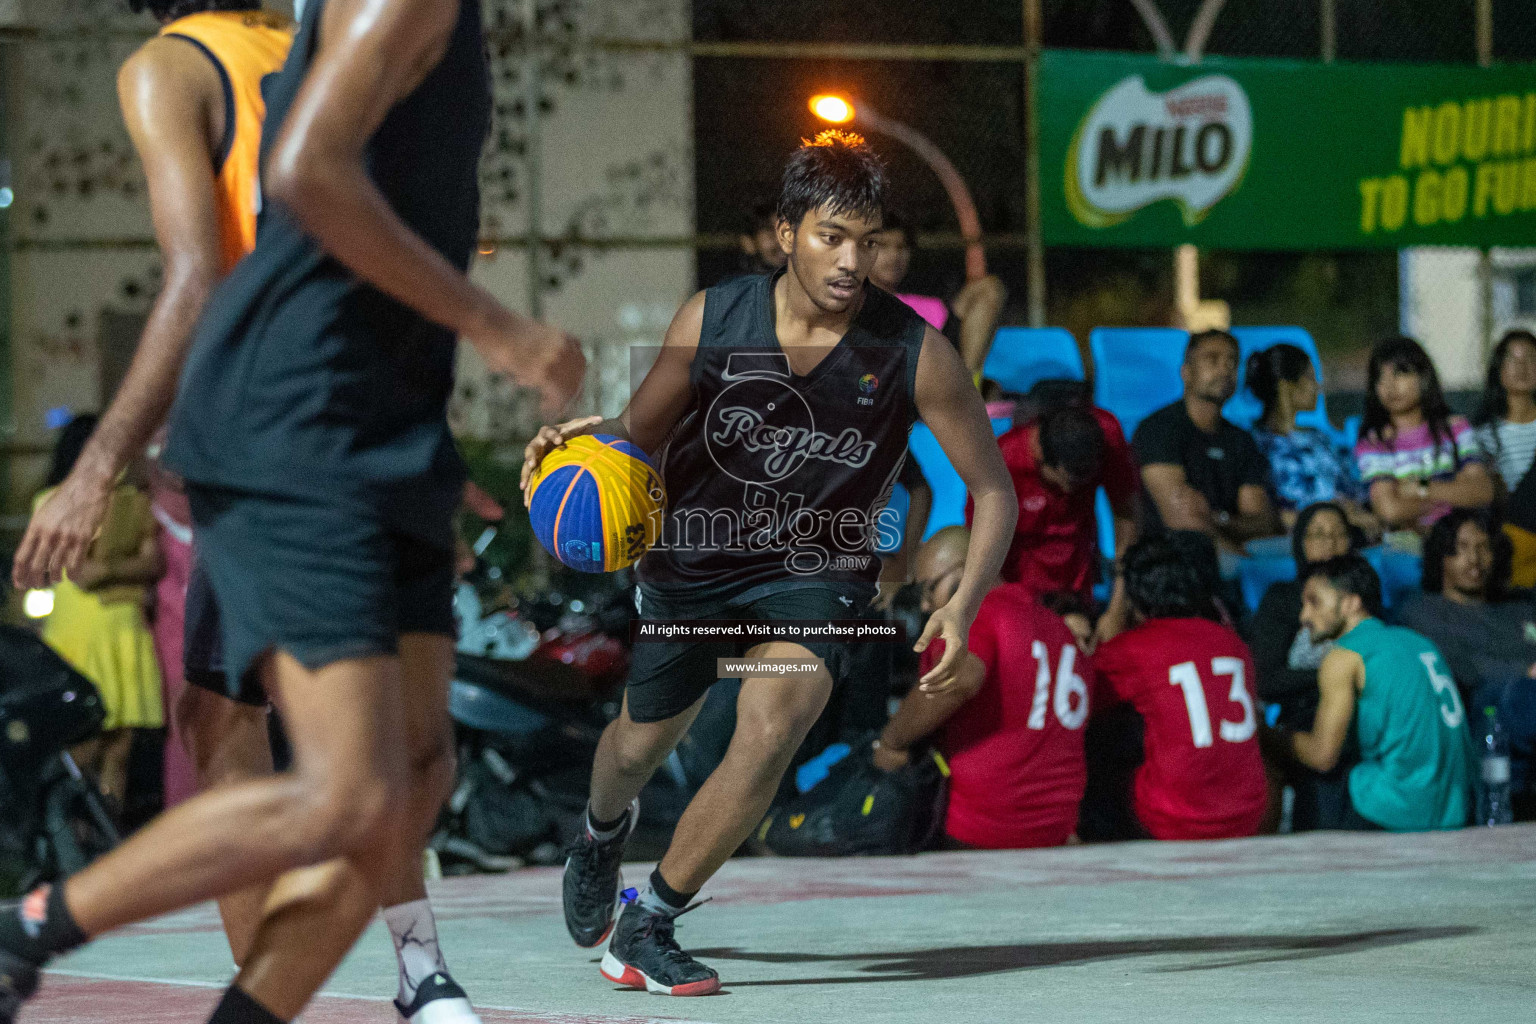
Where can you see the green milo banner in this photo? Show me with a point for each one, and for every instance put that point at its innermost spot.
(1267, 154)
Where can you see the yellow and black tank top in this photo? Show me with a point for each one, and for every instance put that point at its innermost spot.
(245, 47)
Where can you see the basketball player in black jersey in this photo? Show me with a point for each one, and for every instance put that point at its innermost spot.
(778, 412)
(310, 427)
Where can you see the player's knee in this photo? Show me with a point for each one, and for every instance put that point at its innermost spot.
(337, 816)
(637, 752)
(774, 731)
(433, 770)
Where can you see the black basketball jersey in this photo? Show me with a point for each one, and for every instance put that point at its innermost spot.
(302, 379)
(777, 480)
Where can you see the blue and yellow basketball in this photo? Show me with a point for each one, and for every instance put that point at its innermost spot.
(596, 503)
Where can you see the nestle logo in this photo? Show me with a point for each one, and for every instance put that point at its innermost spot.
(1209, 105)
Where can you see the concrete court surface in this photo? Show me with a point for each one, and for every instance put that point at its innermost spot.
(1322, 927)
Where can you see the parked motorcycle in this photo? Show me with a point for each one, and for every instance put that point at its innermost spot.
(535, 684)
(52, 820)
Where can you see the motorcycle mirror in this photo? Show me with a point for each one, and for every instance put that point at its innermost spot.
(484, 540)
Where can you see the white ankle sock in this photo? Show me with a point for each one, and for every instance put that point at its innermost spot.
(414, 930)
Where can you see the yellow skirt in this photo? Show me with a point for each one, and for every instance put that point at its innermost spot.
(110, 644)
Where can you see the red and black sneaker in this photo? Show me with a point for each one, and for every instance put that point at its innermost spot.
(645, 955)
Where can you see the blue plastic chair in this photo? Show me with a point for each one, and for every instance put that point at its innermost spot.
(1021, 357)
(1136, 370)
(1401, 573)
(948, 489)
(1256, 575)
(1244, 408)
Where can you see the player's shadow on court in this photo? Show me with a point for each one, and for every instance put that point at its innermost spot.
(971, 961)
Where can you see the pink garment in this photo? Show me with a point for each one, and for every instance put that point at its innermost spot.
(935, 311)
(175, 519)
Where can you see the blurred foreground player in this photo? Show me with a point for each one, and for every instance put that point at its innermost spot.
(778, 413)
(310, 427)
(191, 98)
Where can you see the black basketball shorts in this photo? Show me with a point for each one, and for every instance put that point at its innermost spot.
(667, 677)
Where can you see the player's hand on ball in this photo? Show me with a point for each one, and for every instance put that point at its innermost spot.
(546, 441)
(945, 624)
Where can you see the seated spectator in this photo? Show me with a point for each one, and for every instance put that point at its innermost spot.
(98, 623)
(1507, 435)
(759, 238)
(1304, 466)
(1011, 726)
(1488, 642)
(1201, 473)
(1417, 460)
(1058, 460)
(1284, 652)
(969, 321)
(1188, 678)
(1415, 768)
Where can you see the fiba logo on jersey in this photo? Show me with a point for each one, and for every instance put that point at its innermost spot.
(867, 385)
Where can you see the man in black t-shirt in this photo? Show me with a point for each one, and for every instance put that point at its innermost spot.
(1200, 473)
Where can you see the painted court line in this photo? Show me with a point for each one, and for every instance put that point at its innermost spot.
(88, 1003)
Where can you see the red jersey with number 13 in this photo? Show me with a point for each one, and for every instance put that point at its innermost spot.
(1192, 682)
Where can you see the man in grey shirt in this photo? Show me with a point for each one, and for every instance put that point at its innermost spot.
(1488, 642)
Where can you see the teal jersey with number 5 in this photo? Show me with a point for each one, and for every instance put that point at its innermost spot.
(1415, 771)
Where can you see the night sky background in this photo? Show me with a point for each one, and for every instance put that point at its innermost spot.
(749, 113)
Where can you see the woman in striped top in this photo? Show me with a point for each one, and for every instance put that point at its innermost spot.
(1507, 434)
(1417, 460)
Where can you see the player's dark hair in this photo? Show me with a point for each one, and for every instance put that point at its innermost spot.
(895, 220)
(1201, 337)
(1072, 441)
(1162, 582)
(835, 170)
(1267, 368)
(67, 449)
(764, 213)
(1441, 544)
(1304, 522)
(1351, 574)
(1407, 356)
(1065, 602)
(169, 10)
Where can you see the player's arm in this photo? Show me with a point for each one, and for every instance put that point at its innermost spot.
(896, 568)
(654, 409)
(949, 404)
(166, 91)
(1471, 487)
(1255, 515)
(922, 713)
(1337, 684)
(978, 306)
(373, 53)
(1179, 505)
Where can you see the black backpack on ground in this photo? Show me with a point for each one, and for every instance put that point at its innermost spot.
(859, 810)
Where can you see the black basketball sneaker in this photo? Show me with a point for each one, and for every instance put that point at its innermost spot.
(644, 954)
(593, 881)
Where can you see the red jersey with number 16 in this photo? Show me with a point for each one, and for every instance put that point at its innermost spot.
(1015, 750)
(1192, 682)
